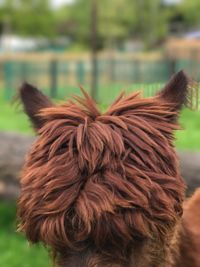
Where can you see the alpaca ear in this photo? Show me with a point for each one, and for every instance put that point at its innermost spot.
(176, 90)
(33, 101)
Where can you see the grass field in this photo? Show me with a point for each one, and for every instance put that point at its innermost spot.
(14, 249)
(13, 119)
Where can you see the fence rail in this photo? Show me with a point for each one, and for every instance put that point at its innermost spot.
(60, 75)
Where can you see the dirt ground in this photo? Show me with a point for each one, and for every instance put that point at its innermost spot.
(13, 148)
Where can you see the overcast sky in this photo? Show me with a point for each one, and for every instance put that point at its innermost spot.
(58, 3)
(172, 1)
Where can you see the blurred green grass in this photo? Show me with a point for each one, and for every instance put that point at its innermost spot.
(13, 119)
(14, 249)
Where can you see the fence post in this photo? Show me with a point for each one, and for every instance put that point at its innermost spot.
(80, 71)
(24, 70)
(112, 69)
(8, 74)
(137, 71)
(53, 78)
(172, 66)
(94, 48)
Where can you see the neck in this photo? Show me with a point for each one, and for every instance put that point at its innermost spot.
(181, 249)
(188, 247)
(189, 241)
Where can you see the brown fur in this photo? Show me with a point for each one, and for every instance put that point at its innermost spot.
(190, 233)
(105, 189)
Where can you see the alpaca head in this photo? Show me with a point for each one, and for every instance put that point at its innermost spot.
(103, 189)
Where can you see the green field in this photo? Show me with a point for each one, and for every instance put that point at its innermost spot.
(13, 119)
(14, 249)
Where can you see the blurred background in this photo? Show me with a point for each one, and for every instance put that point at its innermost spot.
(106, 46)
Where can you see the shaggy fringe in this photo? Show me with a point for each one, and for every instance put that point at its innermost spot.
(102, 181)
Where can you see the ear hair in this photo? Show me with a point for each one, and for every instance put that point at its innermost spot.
(176, 91)
(33, 101)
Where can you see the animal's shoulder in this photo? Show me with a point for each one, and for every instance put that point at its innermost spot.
(190, 235)
(191, 214)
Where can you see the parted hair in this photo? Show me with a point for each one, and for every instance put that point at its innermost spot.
(96, 187)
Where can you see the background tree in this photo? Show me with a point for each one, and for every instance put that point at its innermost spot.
(151, 25)
(147, 20)
(191, 10)
(27, 17)
(118, 20)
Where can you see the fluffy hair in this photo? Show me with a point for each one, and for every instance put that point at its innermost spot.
(104, 189)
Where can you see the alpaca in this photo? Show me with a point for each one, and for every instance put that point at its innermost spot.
(105, 190)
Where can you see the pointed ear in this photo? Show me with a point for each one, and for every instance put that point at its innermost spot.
(176, 90)
(33, 101)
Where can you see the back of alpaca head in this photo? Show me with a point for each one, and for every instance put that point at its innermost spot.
(101, 189)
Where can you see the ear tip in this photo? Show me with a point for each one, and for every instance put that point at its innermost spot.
(26, 86)
(182, 76)
(181, 72)
(26, 89)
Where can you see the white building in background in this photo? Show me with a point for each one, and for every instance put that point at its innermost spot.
(172, 2)
(60, 3)
(193, 35)
(13, 43)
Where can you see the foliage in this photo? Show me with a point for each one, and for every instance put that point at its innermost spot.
(118, 20)
(190, 10)
(27, 17)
